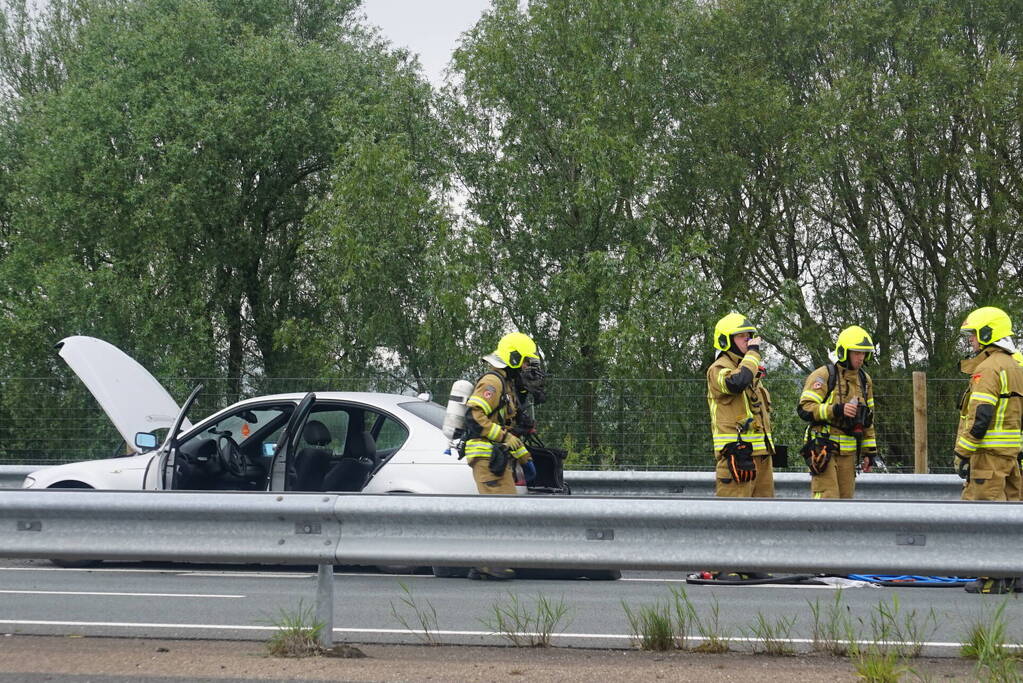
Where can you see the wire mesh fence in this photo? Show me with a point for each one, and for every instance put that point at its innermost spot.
(603, 423)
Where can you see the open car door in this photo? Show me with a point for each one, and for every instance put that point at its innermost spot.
(161, 469)
(282, 469)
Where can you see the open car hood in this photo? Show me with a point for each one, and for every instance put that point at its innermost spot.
(130, 396)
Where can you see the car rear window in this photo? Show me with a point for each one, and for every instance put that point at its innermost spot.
(426, 410)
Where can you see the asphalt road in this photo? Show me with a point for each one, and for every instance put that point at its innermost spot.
(232, 602)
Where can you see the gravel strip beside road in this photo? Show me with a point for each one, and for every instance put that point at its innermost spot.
(198, 659)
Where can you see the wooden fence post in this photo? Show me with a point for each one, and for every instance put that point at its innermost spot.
(920, 422)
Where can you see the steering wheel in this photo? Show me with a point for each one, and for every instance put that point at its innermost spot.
(231, 457)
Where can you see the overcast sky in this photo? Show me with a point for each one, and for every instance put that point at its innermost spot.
(429, 28)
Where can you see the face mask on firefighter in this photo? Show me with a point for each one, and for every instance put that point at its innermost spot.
(534, 380)
(968, 342)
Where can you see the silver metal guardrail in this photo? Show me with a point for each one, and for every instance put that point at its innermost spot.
(940, 538)
(697, 484)
(954, 538)
(873, 486)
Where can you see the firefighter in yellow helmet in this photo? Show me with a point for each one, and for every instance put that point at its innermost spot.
(838, 402)
(988, 442)
(492, 449)
(740, 412)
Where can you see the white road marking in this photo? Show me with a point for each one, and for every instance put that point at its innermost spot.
(400, 631)
(120, 624)
(249, 575)
(133, 595)
(208, 573)
(176, 572)
(84, 569)
(305, 575)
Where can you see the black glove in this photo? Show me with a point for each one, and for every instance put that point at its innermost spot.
(819, 457)
(962, 466)
(738, 456)
(498, 460)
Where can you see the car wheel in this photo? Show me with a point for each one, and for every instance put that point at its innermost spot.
(73, 564)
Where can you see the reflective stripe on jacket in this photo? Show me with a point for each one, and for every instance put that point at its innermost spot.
(493, 415)
(991, 409)
(815, 401)
(729, 409)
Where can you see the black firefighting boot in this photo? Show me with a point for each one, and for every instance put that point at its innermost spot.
(994, 586)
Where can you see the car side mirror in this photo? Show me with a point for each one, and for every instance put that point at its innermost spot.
(269, 449)
(146, 440)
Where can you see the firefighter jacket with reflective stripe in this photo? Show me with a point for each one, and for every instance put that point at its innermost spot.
(735, 394)
(494, 415)
(990, 410)
(816, 406)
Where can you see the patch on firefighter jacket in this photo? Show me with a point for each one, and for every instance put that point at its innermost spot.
(975, 378)
(489, 392)
(818, 384)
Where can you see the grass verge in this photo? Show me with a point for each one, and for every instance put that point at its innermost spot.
(525, 626)
(424, 616)
(297, 635)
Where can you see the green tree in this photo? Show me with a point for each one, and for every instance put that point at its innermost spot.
(558, 116)
(393, 280)
(167, 179)
(738, 179)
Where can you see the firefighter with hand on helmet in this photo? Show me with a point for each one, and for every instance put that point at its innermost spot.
(740, 412)
(493, 447)
(838, 402)
(989, 440)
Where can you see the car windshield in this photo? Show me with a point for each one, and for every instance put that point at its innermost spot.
(426, 410)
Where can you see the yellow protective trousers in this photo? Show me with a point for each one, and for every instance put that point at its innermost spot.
(838, 480)
(488, 483)
(992, 477)
(761, 487)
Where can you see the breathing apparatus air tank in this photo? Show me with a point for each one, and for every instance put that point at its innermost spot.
(454, 416)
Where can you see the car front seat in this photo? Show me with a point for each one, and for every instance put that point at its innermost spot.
(312, 461)
(352, 471)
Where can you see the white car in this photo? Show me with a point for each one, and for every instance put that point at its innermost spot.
(323, 441)
(327, 441)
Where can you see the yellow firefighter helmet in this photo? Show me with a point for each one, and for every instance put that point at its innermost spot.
(512, 350)
(732, 324)
(853, 338)
(988, 324)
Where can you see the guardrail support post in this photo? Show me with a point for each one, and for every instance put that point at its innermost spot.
(325, 604)
(920, 423)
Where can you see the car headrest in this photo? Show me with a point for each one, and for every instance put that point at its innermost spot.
(316, 433)
(362, 445)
